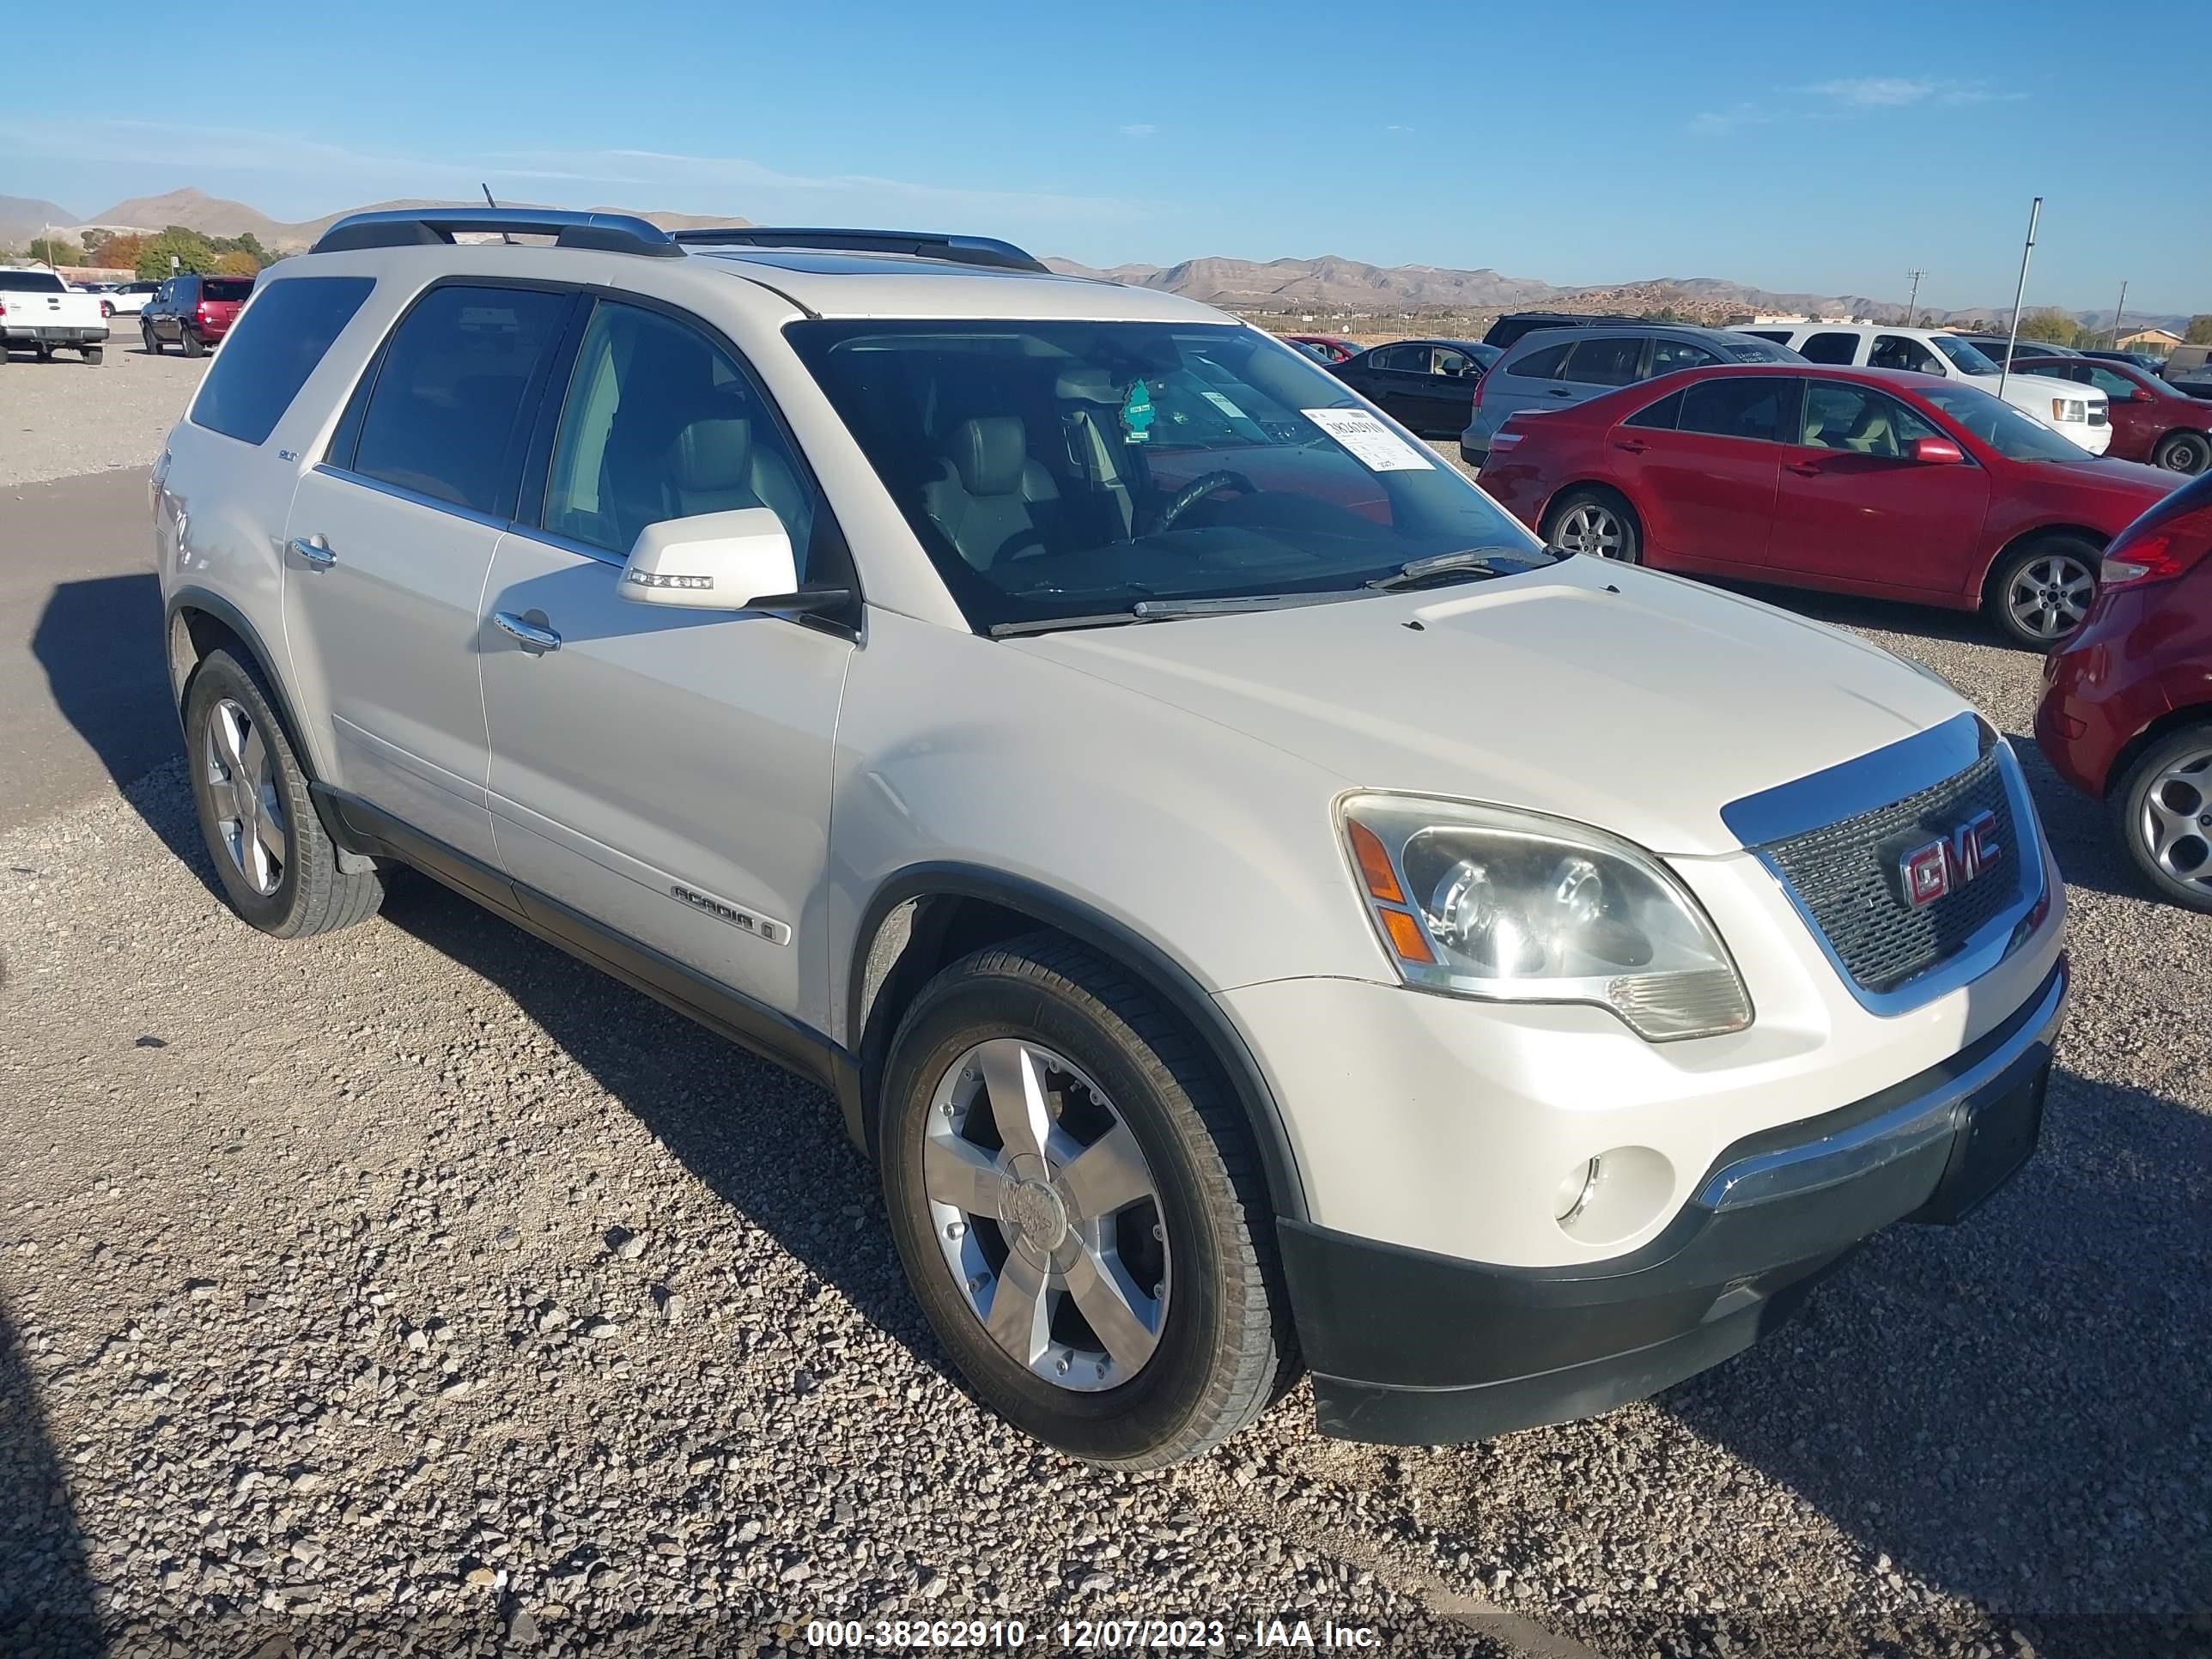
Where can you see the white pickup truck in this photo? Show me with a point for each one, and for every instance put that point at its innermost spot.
(40, 310)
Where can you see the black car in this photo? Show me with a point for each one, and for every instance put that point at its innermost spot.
(1508, 329)
(2147, 362)
(1996, 346)
(1427, 384)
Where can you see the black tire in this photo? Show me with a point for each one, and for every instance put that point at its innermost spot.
(2188, 751)
(311, 894)
(1601, 507)
(94, 355)
(1224, 1344)
(194, 346)
(2183, 451)
(152, 340)
(45, 353)
(2022, 564)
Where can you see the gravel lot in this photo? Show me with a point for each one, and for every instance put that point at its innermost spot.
(64, 417)
(418, 1285)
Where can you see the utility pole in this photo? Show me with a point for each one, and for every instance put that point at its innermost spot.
(1912, 305)
(2117, 310)
(2012, 344)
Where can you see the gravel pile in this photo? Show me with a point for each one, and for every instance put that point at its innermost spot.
(417, 1285)
(62, 418)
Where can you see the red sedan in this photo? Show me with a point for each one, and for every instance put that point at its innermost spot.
(1856, 480)
(1334, 347)
(2151, 420)
(2127, 708)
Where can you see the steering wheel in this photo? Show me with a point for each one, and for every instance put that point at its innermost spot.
(1196, 491)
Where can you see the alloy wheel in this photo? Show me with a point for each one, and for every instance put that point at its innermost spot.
(2176, 820)
(242, 789)
(2048, 597)
(1047, 1214)
(1589, 529)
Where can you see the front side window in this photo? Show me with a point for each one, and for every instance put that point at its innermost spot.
(1964, 355)
(2003, 428)
(662, 422)
(1604, 362)
(1075, 470)
(1839, 349)
(1903, 351)
(1414, 358)
(441, 420)
(1667, 355)
(1448, 361)
(1859, 419)
(267, 358)
(2117, 387)
(1762, 408)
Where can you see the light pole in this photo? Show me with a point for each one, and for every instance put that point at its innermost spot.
(1912, 305)
(2012, 344)
(2117, 310)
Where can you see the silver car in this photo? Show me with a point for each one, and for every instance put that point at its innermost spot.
(1552, 368)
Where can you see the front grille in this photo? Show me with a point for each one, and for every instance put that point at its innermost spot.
(2097, 417)
(1845, 875)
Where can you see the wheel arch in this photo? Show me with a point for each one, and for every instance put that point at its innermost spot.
(2098, 538)
(929, 915)
(2174, 719)
(1608, 487)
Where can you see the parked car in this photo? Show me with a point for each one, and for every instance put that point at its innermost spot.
(2126, 715)
(1333, 348)
(1147, 816)
(127, 299)
(1857, 481)
(2079, 413)
(40, 311)
(1996, 346)
(1509, 329)
(1427, 384)
(2189, 369)
(2144, 359)
(2151, 420)
(1313, 353)
(1551, 368)
(194, 312)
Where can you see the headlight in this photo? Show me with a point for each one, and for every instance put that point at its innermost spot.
(1512, 907)
(2069, 408)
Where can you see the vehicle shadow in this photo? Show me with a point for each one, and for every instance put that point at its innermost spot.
(769, 1145)
(47, 1609)
(99, 640)
(1883, 616)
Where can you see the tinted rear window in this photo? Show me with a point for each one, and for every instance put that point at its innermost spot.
(1763, 409)
(267, 358)
(31, 281)
(227, 288)
(441, 418)
(1838, 349)
(1604, 362)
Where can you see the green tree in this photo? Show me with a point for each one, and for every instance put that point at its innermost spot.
(2200, 330)
(53, 250)
(2055, 326)
(192, 251)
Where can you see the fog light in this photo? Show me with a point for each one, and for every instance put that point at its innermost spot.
(1574, 1194)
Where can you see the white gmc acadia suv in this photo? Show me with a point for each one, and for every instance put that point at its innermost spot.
(1260, 909)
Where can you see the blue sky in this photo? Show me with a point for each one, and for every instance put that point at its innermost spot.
(1572, 141)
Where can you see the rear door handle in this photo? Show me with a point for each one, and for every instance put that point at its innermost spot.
(1634, 446)
(1805, 469)
(312, 552)
(1558, 391)
(534, 639)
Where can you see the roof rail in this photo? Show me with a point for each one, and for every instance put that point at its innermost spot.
(612, 233)
(929, 244)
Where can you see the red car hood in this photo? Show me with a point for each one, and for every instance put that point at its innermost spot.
(2127, 484)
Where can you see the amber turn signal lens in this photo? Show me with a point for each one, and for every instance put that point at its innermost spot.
(1406, 936)
(1375, 868)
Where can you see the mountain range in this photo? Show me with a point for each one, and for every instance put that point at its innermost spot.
(1329, 288)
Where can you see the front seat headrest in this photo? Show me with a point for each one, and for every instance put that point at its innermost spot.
(988, 453)
(713, 453)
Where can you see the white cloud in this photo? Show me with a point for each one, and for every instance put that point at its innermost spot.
(1875, 91)
(1397, 127)
(1719, 122)
(1139, 129)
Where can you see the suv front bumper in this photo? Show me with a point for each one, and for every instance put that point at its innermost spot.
(1407, 1347)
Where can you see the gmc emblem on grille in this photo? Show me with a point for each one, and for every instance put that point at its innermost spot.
(1946, 865)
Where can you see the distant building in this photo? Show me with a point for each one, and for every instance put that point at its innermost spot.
(2158, 341)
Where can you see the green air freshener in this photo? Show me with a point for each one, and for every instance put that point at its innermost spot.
(1137, 414)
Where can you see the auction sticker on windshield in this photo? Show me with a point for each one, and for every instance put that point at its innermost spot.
(1372, 444)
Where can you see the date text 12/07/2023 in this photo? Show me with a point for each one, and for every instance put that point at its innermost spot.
(1089, 1635)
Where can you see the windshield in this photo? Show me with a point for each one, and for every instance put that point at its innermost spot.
(2015, 436)
(1748, 348)
(1964, 357)
(1064, 470)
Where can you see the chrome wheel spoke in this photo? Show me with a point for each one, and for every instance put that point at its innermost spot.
(1106, 1175)
(1015, 1087)
(227, 738)
(1105, 1303)
(1017, 1318)
(961, 1174)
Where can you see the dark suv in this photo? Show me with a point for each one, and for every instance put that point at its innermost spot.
(195, 312)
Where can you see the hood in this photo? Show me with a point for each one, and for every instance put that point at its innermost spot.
(2030, 392)
(1616, 696)
(2132, 484)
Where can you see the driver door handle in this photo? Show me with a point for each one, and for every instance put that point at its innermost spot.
(1805, 469)
(1634, 446)
(535, 639)
(311, 552)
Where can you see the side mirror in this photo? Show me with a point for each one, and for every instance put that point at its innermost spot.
(734, 560)
(1935, 452)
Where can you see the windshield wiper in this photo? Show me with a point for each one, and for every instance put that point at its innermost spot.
(1474, 561)
(1157, 611)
